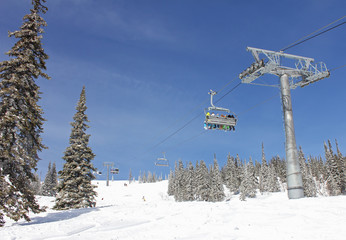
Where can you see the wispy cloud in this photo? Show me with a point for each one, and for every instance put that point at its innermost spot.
(114, 21)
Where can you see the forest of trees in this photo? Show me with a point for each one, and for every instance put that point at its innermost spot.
(246, 178)
(148, 177)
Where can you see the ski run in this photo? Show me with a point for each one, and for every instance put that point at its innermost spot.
(145, 211)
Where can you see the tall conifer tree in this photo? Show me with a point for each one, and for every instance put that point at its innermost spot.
(334, 180)
(75, 189)
(20, 116)
(50, 181)
(308, 181)
(217, 190)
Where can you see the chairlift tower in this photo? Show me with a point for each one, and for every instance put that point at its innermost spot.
(301, 74)
(108, 164)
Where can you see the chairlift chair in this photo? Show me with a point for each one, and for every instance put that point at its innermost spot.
(162, 162)
(219, 121)
(114, 170)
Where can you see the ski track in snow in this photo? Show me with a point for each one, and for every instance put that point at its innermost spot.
(121, 214)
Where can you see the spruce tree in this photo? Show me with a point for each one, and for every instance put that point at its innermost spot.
(36, 185)
(341, 161)
(189, 194)
(20, 116)
(75, 189)
(47, 180)
(334, 182)
(273, 182)
(50, 182)
(203, 182)
(308, 181)
(130, 176)
(171, 178)
(264, 173)
(217, 191)
(249, 182)
(179, 182)
(232, 175)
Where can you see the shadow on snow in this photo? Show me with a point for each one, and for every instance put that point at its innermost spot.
(60, 215)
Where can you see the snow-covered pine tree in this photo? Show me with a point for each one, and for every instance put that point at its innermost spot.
(202, 182)
(171, 180)
(232, 175)
(249, 182)
(257, 169)
(75, 189)
(21, 117)
(341, 160)
(217, 191)
(179, 182)
(140, 180)
(239, 170)
(333, 175)
(36, 185)
(264, 173)
(279, 167)
(54, 178)
(189, 194)
(50, 182)
(130, 176)
(150, 178)
(47, 180)
(273, 181)
(144, 177)
(308, 181)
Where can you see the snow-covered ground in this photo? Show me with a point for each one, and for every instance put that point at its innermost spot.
(121, 213)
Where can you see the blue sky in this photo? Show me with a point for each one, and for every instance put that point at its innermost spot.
(148, 65)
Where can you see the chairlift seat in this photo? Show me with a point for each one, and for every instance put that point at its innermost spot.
(162, 162)
(228, 121)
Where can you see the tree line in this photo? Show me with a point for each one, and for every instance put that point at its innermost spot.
(325, 177)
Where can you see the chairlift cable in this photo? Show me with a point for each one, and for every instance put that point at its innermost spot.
(172, 134)
(333, 69)
(228, 92)
(304, 39)
(197, 116)
(195, 108)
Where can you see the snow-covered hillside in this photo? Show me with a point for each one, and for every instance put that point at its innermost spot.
(144, 211)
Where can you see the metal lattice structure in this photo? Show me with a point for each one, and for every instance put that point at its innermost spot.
(301, 73)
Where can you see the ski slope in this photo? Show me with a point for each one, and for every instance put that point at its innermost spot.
(122, 214)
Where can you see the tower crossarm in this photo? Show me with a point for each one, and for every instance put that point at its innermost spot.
(302, 71)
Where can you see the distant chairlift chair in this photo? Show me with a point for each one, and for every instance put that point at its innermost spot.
(218, 121)
(162, 162)
(114, 170)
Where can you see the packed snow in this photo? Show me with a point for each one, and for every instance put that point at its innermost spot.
(145, 211)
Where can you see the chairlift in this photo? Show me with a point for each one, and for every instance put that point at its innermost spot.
(221, 119)
(114, 170)
(162, 162)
